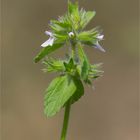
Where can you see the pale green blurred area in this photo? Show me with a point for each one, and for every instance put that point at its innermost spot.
(110, 112)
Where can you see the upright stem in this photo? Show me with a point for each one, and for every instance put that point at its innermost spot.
(65, 122)
(68, 105)
(73, 51)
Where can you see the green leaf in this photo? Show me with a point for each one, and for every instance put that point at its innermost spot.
(46, 51)
(85, 63)
(85, 69)
(79, 91)
(58, 93)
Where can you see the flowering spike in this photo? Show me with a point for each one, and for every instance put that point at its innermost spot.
(74, 71)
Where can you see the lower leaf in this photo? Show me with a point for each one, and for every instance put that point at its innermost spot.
(79, 91)
(58, 93)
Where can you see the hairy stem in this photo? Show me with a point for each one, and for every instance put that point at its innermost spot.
(66, 120)
(73, 52)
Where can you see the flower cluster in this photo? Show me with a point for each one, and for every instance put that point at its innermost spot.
(70, 28)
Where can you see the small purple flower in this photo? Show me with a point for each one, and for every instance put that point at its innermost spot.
(50, 41)
(97, 45)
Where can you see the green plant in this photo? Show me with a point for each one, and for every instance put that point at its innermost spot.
(75, 70)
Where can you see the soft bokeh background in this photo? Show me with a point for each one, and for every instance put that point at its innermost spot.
(110, 112)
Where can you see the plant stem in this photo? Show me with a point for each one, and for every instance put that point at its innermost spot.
(73, 53)
(68, 105)
(66, 120)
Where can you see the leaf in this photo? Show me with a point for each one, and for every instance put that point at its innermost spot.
(58, 93)
(79, 91)
(85, 63)
(85, 69)
(45, 51)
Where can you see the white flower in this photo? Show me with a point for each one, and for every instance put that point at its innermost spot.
(100, 37)
(50, 41)
(71, 34)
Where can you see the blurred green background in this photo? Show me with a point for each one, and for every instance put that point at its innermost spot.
(110, 112)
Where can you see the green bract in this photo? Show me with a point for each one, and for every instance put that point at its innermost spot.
(76, 69)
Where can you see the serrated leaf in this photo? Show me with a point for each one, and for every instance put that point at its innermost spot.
(46, 51)
(58, 93)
